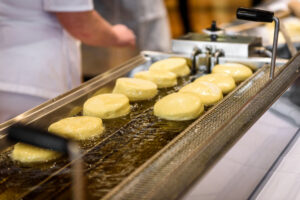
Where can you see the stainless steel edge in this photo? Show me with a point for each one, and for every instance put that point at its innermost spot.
(173, 169)
(46, 108)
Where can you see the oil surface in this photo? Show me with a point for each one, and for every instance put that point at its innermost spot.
(126, 144)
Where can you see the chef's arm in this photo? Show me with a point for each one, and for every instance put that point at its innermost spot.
(92, 29)
(294, 6)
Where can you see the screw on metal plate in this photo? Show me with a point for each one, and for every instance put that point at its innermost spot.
(213, 31)
(262, 16)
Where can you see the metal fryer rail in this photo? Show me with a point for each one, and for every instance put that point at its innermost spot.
(65, 107)
(168, 174)
(113, 140)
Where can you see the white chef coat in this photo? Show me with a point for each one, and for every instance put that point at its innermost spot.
(37, 56)
(147, 18)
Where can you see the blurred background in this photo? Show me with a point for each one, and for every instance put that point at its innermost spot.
(202, 12)
(183, 16)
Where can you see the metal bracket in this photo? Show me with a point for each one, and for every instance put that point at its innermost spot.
(196, 51)
(263, 16)
(274, 48)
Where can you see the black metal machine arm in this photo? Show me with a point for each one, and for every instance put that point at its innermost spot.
(46, 140)
(262, 16)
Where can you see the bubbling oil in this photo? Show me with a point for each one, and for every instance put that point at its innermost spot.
(125, 145)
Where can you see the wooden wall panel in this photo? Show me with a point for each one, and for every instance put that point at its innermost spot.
(202, 12)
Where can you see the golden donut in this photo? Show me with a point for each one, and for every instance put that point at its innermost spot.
(136, 89)
(176, 65)
(209, 93)
(223, 81)
(179, 107)
(107, 106)
(162, 79)
(78, 128)
(30, 154)
(238, 71)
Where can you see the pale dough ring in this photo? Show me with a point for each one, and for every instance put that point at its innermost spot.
(78, 128)
(136, 89)
(179, 107)
(238, 71)
(162, 79)
(107, 106)
(30, 154)
(209, 93)
(176, 65)
(223, 81)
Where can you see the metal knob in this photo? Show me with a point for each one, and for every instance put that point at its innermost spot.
(254, 15)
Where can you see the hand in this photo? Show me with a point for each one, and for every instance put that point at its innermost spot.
(125, 36)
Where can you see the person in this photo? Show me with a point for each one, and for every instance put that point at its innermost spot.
(148, 20)
(39, 48)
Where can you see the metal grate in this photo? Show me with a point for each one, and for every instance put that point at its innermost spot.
(147, 158)
(188, 156)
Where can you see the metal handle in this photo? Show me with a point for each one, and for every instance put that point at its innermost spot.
(46, 140)
(39, 138)
(262, 16)
(254, 15)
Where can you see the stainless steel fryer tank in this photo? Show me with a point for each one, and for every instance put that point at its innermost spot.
(143, 157)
